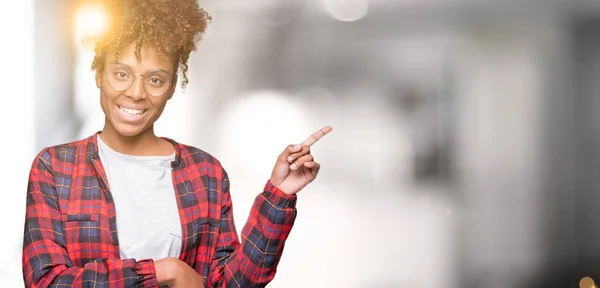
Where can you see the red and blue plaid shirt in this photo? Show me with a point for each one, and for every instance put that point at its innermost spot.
(71, 238)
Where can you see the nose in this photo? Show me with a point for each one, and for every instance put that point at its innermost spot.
(136, 91)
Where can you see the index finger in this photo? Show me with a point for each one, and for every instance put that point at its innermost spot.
(312, 139)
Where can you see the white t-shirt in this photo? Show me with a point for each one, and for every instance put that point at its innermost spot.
(147, 216)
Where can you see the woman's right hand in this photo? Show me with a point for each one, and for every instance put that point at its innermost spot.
(172, 272)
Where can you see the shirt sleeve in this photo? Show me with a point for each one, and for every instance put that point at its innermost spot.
(45, 259)
(253, 262)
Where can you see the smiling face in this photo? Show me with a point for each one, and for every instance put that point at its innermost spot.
(132, 110)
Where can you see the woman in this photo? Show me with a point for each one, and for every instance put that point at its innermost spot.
(126, 208)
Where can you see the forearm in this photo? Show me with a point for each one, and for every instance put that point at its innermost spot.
(254, 262)
(114, 272)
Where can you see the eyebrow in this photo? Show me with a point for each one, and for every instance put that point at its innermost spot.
(150, 71)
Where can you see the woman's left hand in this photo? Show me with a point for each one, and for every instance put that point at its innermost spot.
(296, 167)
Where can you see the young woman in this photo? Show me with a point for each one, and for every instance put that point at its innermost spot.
(126, 208)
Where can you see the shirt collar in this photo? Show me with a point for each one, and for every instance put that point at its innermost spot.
(92, 150)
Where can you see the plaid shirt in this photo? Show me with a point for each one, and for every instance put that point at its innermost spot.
(71, 239)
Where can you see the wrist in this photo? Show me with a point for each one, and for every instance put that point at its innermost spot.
(279, 185)
(278, 196)
(286, 190)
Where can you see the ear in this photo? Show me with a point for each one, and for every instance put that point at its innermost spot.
(173, 86)
(98, 79)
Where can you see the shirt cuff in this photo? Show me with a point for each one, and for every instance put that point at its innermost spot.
(146, 273)
(278, 197)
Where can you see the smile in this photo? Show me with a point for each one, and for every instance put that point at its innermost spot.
(131, 115)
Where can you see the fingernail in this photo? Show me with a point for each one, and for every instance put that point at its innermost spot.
(290, 159)
(293, 166)
(297, 147)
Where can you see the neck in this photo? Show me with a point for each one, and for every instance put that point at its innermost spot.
(143, 144)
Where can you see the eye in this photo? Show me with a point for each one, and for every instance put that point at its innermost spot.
(120, 75)
(155, 81)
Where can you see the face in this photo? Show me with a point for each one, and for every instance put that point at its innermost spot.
(132, 110)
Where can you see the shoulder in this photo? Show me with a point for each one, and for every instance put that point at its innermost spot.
(197, 158)
(65, 153)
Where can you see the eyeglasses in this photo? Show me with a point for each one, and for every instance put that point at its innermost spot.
(121, 78)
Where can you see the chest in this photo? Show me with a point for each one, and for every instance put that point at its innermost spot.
(91, 214)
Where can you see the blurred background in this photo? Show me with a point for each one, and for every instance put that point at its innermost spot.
(465, 141)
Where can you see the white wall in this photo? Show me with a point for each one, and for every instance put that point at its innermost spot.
(17, 129)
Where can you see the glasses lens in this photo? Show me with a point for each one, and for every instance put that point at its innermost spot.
(157, 83)
(120, 78)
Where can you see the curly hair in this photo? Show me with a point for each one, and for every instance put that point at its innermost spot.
(172, 27)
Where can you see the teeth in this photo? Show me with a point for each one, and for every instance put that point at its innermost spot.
(132, 112)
